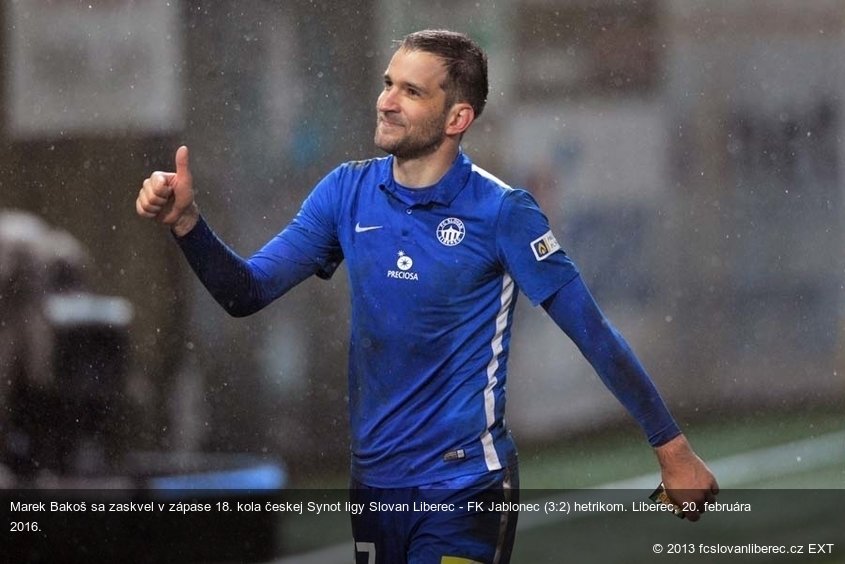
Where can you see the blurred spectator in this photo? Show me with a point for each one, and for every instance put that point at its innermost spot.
(24, 332)
(62, 355)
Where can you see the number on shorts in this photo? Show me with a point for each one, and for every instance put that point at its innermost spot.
(368, 548)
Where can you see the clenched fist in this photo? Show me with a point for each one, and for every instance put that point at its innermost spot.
(168, 197)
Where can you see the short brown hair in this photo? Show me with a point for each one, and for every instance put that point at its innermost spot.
(465, 61)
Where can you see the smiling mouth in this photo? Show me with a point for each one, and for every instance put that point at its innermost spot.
(388, 123)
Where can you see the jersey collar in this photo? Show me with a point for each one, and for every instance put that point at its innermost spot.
(446, 189)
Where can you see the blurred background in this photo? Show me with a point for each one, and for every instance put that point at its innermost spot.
(688, 153)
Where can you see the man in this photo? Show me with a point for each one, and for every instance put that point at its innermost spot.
(436, 250)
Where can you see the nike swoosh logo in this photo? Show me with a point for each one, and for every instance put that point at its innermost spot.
(359, 229)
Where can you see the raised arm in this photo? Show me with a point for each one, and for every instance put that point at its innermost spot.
(241, 286)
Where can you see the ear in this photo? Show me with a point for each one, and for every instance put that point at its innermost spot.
(460, 118)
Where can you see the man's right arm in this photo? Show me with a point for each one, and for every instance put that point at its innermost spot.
(241, 286)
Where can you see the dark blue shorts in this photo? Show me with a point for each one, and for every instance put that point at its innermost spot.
(460, 521)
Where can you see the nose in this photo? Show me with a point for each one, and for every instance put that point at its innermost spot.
(387, 100)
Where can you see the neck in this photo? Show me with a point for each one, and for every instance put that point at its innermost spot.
(425, 171)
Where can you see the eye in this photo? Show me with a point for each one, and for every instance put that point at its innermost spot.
(413, 92)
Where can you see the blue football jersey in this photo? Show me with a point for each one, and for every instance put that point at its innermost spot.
(434, 275)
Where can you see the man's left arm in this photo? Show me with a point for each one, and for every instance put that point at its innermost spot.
(685, 476)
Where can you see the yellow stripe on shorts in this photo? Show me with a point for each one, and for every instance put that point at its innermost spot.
(457, 560)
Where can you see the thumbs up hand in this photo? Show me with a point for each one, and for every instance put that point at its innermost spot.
(168, 197)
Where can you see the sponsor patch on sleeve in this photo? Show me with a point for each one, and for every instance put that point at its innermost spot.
(544, 246)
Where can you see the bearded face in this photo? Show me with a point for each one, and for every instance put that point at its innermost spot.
(412, 109)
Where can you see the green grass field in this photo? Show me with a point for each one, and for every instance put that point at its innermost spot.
(617, 455)
(782, 485)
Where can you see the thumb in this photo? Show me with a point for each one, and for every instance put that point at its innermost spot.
(183, 170)
(182, 183)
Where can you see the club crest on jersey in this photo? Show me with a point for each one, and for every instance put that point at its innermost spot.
(451, 231)
(544, 245)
